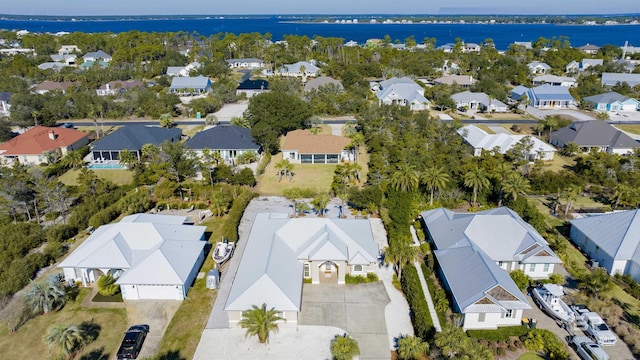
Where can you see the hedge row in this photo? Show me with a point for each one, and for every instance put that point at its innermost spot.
(501, 334)
(420, 316)
(230, 227)
(438, 295)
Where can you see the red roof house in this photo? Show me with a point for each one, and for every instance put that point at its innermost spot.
(32, 146)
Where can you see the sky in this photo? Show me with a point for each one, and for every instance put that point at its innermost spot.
(256, 7)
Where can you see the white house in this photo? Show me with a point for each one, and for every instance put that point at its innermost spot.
(595, 134)
(281, 252)
(183, 71)
(612, 101)
(68, 49)
(480, 140)
(537, 67)
(476, 252)
(97, 56)
(151, 256)
(245, 63)
(302, 69)
(612, 239)
(404, 92)
(478, 101)
(554, 80)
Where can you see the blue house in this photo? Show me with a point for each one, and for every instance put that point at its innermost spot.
(612, 101)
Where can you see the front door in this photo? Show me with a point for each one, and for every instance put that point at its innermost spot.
(328, 273)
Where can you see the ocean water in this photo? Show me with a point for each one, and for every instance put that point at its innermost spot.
(502, 34)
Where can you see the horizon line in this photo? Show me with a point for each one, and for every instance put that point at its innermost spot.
(341, 14)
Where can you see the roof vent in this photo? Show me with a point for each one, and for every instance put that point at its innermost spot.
(52, 135)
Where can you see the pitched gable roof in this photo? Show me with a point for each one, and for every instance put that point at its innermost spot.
(305, 142)
(478, 138)
(606, 98)
(223, 137)
(253, 85)
(151, 249)
(270, 270)
(321, 81)
(133, 137)
(617, 234)
(594, 133)
(198, 82)
(38, 139)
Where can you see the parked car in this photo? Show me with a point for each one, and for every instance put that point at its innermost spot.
(587, 349)
(132, 342)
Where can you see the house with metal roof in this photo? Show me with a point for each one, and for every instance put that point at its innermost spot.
(190, 85)
(403, 92)
(478, 101)
(132, 138)
(575, 66)
(548, 96)
(462, 80)
(118, 87)
(228, 140)
(612, 101)
(245, 63)
(594, 134)
(611, 79)
(476, 252)
(538, 67)
(183, 70)
(97, 56)
(305, 147)
(554, 80)
(479, 140)
(589, 49)
(34, 145)
(252, 88)
(151, 256)
(612, 239)
(302, 69)
(281, 252)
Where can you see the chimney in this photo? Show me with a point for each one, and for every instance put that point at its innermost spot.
(52, 135)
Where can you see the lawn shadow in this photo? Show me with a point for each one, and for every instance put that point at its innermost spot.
(97, 354)
(171, 355)
(91, 329)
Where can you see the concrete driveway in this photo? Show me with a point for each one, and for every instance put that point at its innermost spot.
(155, 313)
(358, 309)
(229, 111)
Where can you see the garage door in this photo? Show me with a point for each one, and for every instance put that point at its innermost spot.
(165, 292)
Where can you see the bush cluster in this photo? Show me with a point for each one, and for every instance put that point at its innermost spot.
(359, 279)
(230, 227)
(420, 317)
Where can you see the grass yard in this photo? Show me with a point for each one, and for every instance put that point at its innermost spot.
(183, 333)
(530, 356)
(633, 129)
(28, 342)
(190, 130)
(117, 176)
(485, 128)
(306, 176)
(559, 162)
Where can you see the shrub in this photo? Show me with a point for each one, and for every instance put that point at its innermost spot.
(107, 286)
(420, 316)
(60, 233)
(504, 333)
(520, 278)
(263, 164)
(359, 279)
(230, 227)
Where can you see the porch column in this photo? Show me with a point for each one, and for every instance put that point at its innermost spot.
(342, 270)
(314, 268)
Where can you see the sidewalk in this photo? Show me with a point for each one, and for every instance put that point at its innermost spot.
(425, 288)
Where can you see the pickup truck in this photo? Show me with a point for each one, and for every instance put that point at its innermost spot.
(593, 325)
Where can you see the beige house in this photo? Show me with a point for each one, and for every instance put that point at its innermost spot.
(304, 147)
(282, 252)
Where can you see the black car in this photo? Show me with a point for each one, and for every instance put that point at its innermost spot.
(132, 342)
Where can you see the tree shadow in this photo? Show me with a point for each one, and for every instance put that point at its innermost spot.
(72, 292)
(91, 330)
(97, 354)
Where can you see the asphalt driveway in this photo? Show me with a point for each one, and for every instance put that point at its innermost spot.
(358, 309)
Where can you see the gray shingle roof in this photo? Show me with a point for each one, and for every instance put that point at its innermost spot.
(133, 137)
(594, 133)
(610, 79)
(606, 98)
(223, 137)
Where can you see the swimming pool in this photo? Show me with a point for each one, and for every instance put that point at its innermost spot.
(106, 166)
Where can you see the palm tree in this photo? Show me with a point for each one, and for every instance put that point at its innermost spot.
(240, 121)
(260, 322)
(571, 194)
(166, 120)
(411, 348)
(435, 178)
(284, 168)
(595, 283)
(621, 195)
(515, 184)
(320, 202)
(127, 158)
(211, 120)
(400, 254)
(570, 149)
(150, 152)
(405, 179)
(449, 340)
(68, 339)
(344, 347)
(477, 180)
(500, 173)
(73, 159)
(46, 295)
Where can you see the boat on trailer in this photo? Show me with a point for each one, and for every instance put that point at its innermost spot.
(223, 250)
(549, 298)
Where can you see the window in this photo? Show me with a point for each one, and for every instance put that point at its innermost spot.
(481, 317)
(307, 271)
(532, 267)
(500, 263)
(280, 314)
(357, 268)
(546, 267)
(508, 314)
(327, 266)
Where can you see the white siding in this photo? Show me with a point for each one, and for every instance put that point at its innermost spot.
(162, 292)
(539, 272)
(491, 320)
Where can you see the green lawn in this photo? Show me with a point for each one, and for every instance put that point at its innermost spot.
(633, 129)
(28, 343)
(183, 333)
(306, 176)
(117, 176)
